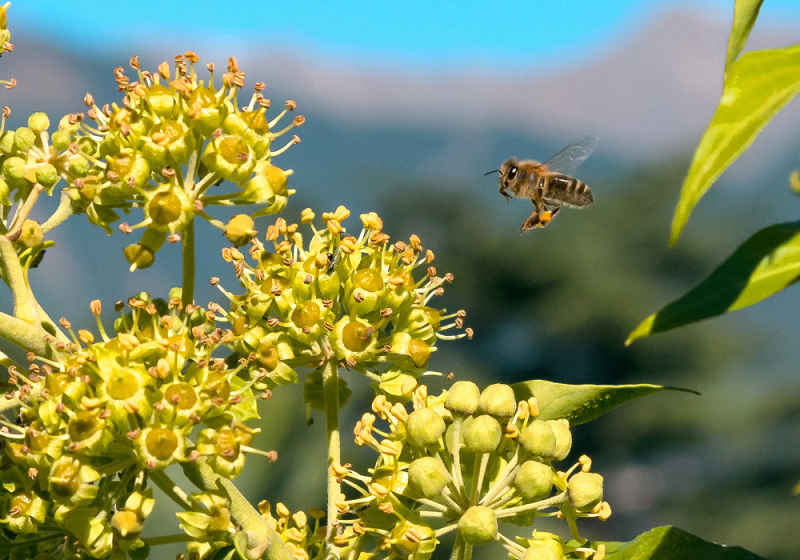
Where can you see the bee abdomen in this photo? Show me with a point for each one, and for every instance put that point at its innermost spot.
(568, 190)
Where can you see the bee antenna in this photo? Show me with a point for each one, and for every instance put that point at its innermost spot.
(490, 172)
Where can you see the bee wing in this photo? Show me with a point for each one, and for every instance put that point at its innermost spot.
(567, 160)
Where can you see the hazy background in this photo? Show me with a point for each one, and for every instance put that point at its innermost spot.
(407, 106)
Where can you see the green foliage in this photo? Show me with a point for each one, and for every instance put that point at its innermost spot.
(762, 266)
(670, 543)
(744, 17)
(581, 403)
(757, 86)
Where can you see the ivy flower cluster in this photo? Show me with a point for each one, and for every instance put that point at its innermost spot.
(356, 300)
(101, 418)
(465, 461)
(172, 139)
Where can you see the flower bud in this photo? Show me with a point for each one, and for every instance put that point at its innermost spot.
(585, 490)
(239, 230)
(560, 428)
(5, 191)
(462, 398)
(60, 139)
(534, 480)
(14, 168)
(540, 552)
(425, 427)
(482, 435)
(31, 234)
(24, 139)
(478, 525)
(538, 439)
(38, 122)
(498, 400)
(427, 476)
(47, 176)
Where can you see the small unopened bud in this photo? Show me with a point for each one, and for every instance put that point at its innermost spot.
(478, 525)
(560, 428)
(482, 435)
(538, 439)
(463, 397)
(498, 400)
(585, 490)
(534, 480)
(428, 476)
(425, 427)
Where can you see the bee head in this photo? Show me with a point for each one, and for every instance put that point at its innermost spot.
(508, 173)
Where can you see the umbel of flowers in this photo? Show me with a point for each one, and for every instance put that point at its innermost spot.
(166, 149)
(465, 461)
(359, 301)
(103, 418)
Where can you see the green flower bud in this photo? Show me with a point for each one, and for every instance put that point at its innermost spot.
(31, 235)
(427, 476)
(14, 168)
(7, 142)
(24, 138)
(498, 400)
(60, 139)
(206, 112)
(534, 480)
(38, 122)
(239, 230)
(585, 490)
(482, 435)
(5, 191)
(425, 427)
(538, 439)
(560, 428)
(540, 552)
(478, 525)
(47, 176)
(78, 165)
(462, 398)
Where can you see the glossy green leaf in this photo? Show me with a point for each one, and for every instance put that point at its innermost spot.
(671, 543)
(581, 403)
(757, 86)
(763, 265)
(744, 17)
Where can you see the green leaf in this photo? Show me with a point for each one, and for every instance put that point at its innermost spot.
(763, 265)
(757, 86)
(744, 17)
(581, 403)
(671, 543)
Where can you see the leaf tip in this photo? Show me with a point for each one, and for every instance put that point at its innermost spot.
(644, 329)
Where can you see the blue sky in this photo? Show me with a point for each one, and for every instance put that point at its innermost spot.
(410, 32)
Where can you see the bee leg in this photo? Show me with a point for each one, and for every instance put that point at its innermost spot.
(531, 223)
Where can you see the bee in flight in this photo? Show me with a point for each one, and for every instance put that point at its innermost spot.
(549, 185)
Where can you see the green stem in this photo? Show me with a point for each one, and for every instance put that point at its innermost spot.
(24, 307)
(187, 241)
(63, 212)
(24, 210)
(330, 387)
(23, 335)
(258, 531)
(548, 502)
(172, 490)
(169, 539)
(21, 544)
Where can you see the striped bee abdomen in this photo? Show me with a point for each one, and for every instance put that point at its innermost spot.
(568, 190)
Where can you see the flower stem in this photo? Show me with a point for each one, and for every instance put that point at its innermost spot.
(63, 212)
(171, 489)
(169, 539)
(187, 242)
(330, 384)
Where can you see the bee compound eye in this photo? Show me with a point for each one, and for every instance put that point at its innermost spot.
(512, 173)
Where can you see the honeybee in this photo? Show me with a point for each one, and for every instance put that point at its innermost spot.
(549, 185)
